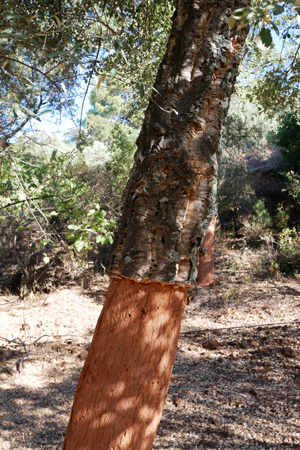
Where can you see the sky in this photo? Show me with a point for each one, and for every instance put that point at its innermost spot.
(60, 125)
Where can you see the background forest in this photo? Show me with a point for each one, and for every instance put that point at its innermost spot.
(63, 195)
(75, 81)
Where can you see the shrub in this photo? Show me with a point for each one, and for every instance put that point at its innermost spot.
(287, 137)
(282, 216)
(236, 193)
(261, 216)
(56, 200)
(288, 257)
(293, 185)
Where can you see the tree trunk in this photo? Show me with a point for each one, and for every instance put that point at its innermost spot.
(123, 385)
(168, 205)
(206, 268)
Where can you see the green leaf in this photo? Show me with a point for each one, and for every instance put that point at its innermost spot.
(238, 13)
(80, 245)
(151, 61)
(276, 9)
(275, 28)
(140, 87)
(53, 154)
(124, 56)
(113, 72)
(30, 113)
(231, 22)
(74, 227)
(264, 39)
(90, 230)
(101, 239)
(35, 42)
(14, 16)
(59, 53)
(7, 30)
(259, 12)
(17, 110)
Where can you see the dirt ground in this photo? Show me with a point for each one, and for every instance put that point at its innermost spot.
(236, 379)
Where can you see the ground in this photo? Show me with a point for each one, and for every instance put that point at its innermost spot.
(236, 379)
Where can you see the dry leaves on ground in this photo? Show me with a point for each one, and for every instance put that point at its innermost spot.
(231, 388)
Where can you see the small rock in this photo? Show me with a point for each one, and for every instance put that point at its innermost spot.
(253, 392)
(178, 402)
(289, 352)
(211, 344)
(264, 351)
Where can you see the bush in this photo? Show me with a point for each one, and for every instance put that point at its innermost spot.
(293, 185)
(50, 203)
(236, 194)
(261, 216)
(288, 257)
(287, 137)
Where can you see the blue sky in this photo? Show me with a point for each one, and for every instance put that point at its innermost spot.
(60, 125)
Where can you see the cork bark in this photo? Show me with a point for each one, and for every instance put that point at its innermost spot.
(169, 200)
(124, 382)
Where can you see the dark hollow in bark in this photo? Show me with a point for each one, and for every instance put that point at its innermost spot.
(169, 200)
(124, 382)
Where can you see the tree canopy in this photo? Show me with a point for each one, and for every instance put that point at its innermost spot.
(49, 50)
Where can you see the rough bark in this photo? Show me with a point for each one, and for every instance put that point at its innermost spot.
(124, 382)
(169, 200)
(206, 268)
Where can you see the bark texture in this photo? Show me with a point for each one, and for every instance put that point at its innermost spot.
(206, 268)
(169, 200)
(123, 385)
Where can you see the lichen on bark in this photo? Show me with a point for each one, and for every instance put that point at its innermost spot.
(170, 197)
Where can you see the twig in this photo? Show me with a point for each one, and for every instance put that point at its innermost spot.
(87, 88)
(23, 269)
(28, 198)
(55, 336)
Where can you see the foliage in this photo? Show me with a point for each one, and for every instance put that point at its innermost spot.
(287, 137)
(293, 185)
(272, 76)
(282, 217)
(243, 128)
(48, 48)
(51, 192)
(288, 258)
(236, 192)
(46, 200)
(111, 104)
(243, 134)
(261, 216)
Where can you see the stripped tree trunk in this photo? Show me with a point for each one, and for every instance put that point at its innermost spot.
(168, 205)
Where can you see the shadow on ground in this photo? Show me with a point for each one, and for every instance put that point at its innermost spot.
(242, 394)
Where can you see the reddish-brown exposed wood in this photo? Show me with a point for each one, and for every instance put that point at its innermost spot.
(123, 385)
(206, 268)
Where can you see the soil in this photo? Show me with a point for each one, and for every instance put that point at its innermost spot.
(236, 379)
